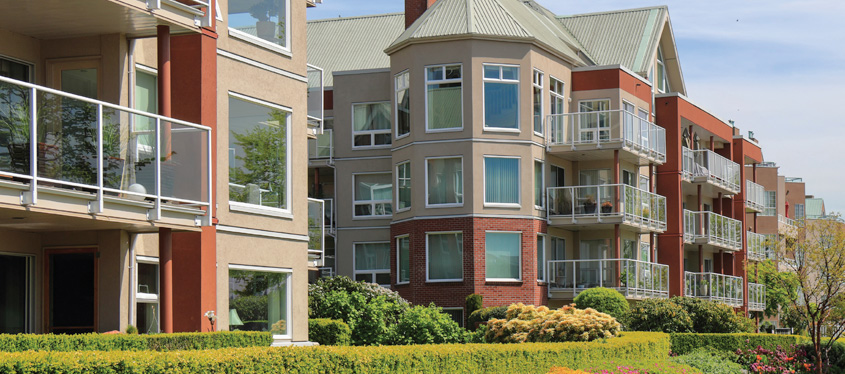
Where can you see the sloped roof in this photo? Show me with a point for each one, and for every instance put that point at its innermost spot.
(814, 208)
(352, 43)
(625, 37)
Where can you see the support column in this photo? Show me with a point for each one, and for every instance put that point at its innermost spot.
(164, 93)
(165, 302)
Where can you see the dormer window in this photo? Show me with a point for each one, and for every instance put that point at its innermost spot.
(662, 77)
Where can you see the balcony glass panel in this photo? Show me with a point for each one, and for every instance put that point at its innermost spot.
(756, 297)
(721, 288)
(760, 246)
(316, 228)
(322, 147)
(713, 228)
(634, 205)
(755, 196)
(315, 97)
(713, 166)
(634, 279)
(608, 126)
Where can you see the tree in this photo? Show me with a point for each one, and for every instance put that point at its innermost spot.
(815, 253)
(781, 286)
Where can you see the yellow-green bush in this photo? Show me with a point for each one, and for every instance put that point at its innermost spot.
(448, 358)
(131, 342)
(527, 323)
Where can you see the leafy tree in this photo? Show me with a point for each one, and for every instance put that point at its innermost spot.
(781, 286)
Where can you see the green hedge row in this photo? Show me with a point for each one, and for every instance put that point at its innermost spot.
(683, 343)
(446, 358)
(128, 342)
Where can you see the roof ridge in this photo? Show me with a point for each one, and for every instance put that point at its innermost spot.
(613, 11)
(356, 17)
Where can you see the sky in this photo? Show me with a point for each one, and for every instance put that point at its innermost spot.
(775, 67)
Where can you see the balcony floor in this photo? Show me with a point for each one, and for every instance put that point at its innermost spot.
(708, 187)
(592, 222)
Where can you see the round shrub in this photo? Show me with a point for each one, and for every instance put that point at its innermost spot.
(319, 291)
(659, 315)
(527, 323)
(485, 314)
(329, 331)
(604, 300)
(713, 317)
(426, 325)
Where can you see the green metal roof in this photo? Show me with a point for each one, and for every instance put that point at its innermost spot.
(814, 208)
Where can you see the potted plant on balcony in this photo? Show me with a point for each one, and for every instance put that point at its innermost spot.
(589, 205)
(606, 207)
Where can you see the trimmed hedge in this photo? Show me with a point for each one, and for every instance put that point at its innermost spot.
(329, 331)
(127, 342)
(449, 358)
(683, 343)
(604, 300)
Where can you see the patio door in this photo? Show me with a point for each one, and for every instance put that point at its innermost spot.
(71, 294)
(16, 290)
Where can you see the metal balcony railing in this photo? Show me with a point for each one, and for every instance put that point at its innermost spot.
(321, 148)
(634, 205)
(760, 245)
(755, 196)
(316, 88)
(756, 297)
(607, 127)
(316, 231)
(709, 166)
(50, 138)
(722, 288)
(712, 228)
(634, 279)
(786, 220)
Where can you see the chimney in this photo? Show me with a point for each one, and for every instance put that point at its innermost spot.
(414, 9)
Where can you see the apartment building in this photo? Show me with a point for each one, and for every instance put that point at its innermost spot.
(151, 167)
(492, 147)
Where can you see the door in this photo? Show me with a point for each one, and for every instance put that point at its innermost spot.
(71, 291)
(16, 294)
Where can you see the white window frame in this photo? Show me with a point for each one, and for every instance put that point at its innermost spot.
(371, 202)
(542, 183)
(541, 254)
(263, 210)
(537, 79)
(396, 89)
(447, 205)
(516, 81)
(557, 95)
(399, 178)
(288, 302)
(372, 272)
(429, 280)
(519, 279)
(286, 50)
(519, 185)
(146, 70)
(660, 65)
(442, 81)
(773, 209)
(372, 133)
(396, 239)
(147, 298)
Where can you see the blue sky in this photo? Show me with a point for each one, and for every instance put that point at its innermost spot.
(774, 67)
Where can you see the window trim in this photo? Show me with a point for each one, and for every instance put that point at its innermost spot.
(534, 84)
(447, 205)
(517, 81)
(544, 262)
(410, 186)
(372, 133)
(519, 233)
(373, 272)
(372, 202)
(444, 80)
(399, 260)
(396, 135)
(146, 298)
(240, 35)
(429, 280)
(542, 205)
(518, 204)
(288, 290)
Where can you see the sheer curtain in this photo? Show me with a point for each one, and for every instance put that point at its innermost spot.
(501, 180)
(445, 181)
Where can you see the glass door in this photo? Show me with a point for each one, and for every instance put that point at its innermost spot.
(16, 289)
(71, 298)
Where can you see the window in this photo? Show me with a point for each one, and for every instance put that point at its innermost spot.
(370, 125)
(444, 181)
(645, 183)
(444, 105)
(708, 265)
(146, 99)
(501, 97)
(629, 178)
(373, 195)
(556, 108)
(537, 98)
(403, 258)
(799, 211)
(557, 178)
(17, 294)
(771, 203)
(629, 249)
(541, 258)
(15, 70)
(265, 22)
(538, 184)
(372, 263)
(444, 257)
(594, 122)
(260, 299)
(502, 253)
(595, 177)
(457, 315)
(662, 77)
(645, 252)
(558, 249)
(146, 295)
(259, 134)
(403, 104)
(501, 180)
(403, 183)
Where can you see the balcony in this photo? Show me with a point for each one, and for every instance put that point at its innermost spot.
(315, 99)
(76, 155)
(721, 288)
(756, 297)
(632, 278)
(593, 206)
(759, 246)
(329, 218)
(572, 135)
(708, 228)
(321, 149)
(755, 197)
(710, 168)
(785, 224)
(316, 232)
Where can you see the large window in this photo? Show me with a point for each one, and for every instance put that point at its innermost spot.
(771, 204)
(539, 181)
(537, 97)
(371, 124)
(146, 295)
(259, 134)
(444, 181)
(503, 254)
(260, 299)
(662, 77)
(444, 257)
(556, 109)
(403, 186)
(403, 259)
(146, 99)
(373, 195)
(501, 180)
(264, 22)
(444, 103)
(501, 97)
(372, 263)
(799, 211)
(403, 104)
(594, 126)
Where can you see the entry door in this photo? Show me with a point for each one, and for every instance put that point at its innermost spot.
(16, 294)
(71, 294)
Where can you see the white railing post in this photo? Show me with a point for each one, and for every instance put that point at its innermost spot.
(210, 182)
(98, 205)
(31, 198)
(156, 213)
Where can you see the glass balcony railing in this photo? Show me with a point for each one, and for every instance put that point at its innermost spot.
(722, 288)
(760, 245)
(632, 204)
(316, 231)
(322, 147)
(710, 166)
(50, 138)
(756, 297)
(634, 279)
(712, 228)
(315, 98)
(786, 220)
(755, 197)
(329, 218)
(608, 128)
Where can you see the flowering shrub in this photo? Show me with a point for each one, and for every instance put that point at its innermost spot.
(630, 367)
(527, 323)
(777, 361)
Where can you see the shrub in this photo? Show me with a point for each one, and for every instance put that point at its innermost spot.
(131, 329)
(372, 325)
(835, 357)
(426, 325)
(709, 361)
(319, 291)
(659, 315)
(567, 324)
(686, 343)
(712, 317)
(473, 302)
(329, 331)
(485, 314)
(604, 300)
(134, 342)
